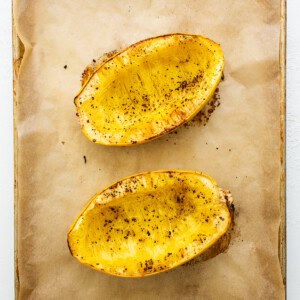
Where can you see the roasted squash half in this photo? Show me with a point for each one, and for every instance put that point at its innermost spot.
(150, 223)
(148, 89)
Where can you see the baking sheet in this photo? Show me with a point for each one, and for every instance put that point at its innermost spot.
(239, 146)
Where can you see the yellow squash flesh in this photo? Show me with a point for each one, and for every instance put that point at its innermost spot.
(149, 223)
(149, 89)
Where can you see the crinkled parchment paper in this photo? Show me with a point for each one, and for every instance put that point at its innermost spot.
(239, 146)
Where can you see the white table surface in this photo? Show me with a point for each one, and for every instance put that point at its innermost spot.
(293, 149)
(293, 152)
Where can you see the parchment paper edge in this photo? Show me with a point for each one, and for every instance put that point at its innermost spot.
(282, 65)
(18, 52)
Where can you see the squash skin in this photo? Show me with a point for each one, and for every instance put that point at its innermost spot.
(115, 196)
(177, 89)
